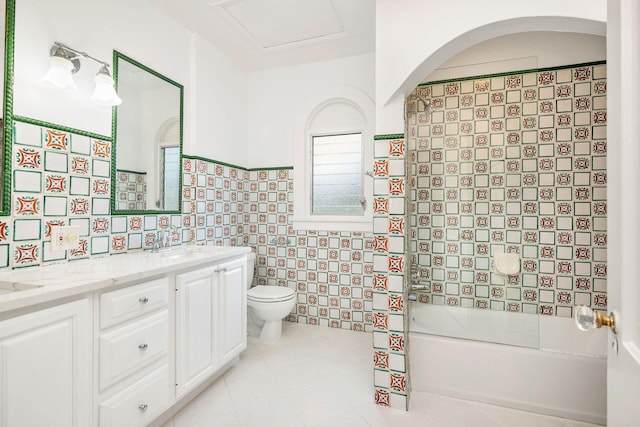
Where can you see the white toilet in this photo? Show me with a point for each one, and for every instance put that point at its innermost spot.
(267, 306)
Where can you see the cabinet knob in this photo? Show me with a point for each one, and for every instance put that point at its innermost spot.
(143, 300)
(143, 347)
(143, 407)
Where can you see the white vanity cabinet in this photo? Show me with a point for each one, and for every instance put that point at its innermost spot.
(133, 354)
(119, 341)
(211, 315)
(45, 367)
(231, 323)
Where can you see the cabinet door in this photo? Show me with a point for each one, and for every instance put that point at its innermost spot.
(195, 345)
(232, 309)
(45, 367)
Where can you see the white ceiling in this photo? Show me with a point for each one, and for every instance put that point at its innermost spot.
(263, 34)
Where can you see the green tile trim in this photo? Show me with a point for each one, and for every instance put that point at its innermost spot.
(271, 168)
(389, 136)
(205, 159)
(41, 123)
(130, 171)
(7, 118)
(114, 125)
(509, 73)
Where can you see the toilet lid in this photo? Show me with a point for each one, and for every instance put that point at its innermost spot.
(270, 293)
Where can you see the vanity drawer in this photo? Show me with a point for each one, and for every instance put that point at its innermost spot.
(127, 303)
(126, 350)
(139, 404)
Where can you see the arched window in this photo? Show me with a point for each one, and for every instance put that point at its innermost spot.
(334, 150)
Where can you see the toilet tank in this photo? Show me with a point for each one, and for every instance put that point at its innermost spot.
(251, 262)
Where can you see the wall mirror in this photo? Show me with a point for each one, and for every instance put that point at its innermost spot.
(7, 8)
(147, 130)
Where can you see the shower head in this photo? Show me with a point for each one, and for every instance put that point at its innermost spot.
(427, 106)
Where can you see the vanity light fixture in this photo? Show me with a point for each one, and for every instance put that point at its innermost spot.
(104, 93)
(65, 61)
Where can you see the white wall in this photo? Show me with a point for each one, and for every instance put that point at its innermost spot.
(215, 115)
(413, 37)
(219, 98)
(277, 96)
(522, 51)
(98, 27)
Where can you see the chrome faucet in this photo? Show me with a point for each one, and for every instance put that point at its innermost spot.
(163, 239)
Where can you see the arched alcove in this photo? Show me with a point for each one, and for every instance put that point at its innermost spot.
(406, 54)
(490, 31)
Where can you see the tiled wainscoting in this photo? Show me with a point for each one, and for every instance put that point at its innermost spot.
(512, 163)
(331, 271)
(58, 179)
(64, 178)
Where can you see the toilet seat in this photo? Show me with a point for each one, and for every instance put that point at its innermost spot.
(266, 294)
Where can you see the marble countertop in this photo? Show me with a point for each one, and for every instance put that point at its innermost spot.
(29, 286)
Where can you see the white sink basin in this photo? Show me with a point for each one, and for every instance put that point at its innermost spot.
(174, 255)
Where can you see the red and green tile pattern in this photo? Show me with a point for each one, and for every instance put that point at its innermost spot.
(512, 163)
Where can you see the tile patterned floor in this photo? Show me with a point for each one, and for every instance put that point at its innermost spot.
(321, 377)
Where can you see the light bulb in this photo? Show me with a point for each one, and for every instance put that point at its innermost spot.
(59, 74)
(104, 93)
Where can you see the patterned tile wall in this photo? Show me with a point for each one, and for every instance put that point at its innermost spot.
(513, 163)
(61, 178)
(131, 191)
(213, 203)
(331, 271)
(57, 179)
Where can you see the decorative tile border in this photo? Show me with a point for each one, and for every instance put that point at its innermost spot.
(391, 379)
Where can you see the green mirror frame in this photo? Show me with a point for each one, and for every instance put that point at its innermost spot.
(114, 126)
(7, 118)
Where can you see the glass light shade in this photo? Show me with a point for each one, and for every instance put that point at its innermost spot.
(59, 74)
(105, 94)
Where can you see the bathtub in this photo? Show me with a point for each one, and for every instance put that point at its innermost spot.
(541, 364)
